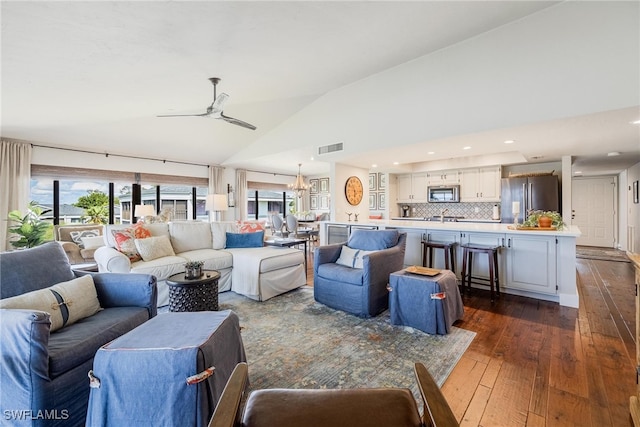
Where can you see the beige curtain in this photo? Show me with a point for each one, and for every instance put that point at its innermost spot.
(241, 194)
(216, 180)
(15, 180)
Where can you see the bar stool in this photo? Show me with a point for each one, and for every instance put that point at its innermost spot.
(467, 266)
(449, 253)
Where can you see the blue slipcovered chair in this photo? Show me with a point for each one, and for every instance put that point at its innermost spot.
(43, 374)
(354, 277)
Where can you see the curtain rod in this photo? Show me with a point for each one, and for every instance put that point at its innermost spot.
(270, 173)
(119, 155)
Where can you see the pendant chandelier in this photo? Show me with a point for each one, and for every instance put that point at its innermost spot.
(299, 187)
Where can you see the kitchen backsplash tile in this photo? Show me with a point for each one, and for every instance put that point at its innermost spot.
(467, 210)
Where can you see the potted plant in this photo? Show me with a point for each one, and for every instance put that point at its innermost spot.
(544, 219)
(30, 227)
(193, 269)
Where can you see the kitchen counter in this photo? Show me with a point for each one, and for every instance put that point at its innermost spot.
(463, 226)
(533, 263)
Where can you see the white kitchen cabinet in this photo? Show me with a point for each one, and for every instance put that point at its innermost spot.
(531, 263)
(448, 177)
(412, 188)
(438, 254)
(480, 184)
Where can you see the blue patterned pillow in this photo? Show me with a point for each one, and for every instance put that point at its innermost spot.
(245, 240)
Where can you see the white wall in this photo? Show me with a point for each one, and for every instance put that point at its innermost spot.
(339, 206)
(633, 210)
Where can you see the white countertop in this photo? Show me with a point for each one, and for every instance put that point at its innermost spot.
(481, 227)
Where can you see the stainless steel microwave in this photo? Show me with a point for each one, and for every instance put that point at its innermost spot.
(444, 194)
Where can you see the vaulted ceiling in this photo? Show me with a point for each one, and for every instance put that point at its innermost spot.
(411, 83)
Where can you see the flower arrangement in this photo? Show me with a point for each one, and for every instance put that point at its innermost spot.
(193, 269)
(536, 218)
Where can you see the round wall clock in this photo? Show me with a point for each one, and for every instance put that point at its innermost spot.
(353, 190)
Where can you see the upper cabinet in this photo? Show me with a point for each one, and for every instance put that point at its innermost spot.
(443, 177)
(480, 185)
(412, 188)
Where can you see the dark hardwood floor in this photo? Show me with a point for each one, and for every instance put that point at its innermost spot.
(535, 363)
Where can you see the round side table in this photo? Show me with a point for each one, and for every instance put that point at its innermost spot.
(194, 294)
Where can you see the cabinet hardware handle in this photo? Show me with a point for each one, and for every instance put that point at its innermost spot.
(509, 244)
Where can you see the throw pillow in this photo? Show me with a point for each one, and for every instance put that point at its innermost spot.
(125, 240)
(93, 242)
(154, 247)
(250, 227)
(350, 257)
(77, 236)
(245, 240)
(66, 302)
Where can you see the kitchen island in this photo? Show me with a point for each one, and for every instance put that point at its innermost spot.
(532, 263)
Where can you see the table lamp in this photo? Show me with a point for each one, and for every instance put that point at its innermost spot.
(143, 211)
(216, 203)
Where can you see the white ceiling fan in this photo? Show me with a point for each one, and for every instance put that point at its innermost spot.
(215, 110)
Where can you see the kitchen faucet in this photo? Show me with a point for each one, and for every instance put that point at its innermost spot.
(444, 211)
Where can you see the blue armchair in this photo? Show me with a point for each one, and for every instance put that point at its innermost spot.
(359, 291)
(43, 374)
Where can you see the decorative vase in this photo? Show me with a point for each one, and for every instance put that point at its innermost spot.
(544, 222)
(193, 272)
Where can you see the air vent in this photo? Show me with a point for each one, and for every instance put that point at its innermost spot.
(332, 148)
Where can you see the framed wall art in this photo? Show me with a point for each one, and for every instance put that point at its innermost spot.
(313, 202)
(382, 201)
(372, 181)
(324, 185)
(324, 202)
(373, 202)
(382, 181)
(313, 186)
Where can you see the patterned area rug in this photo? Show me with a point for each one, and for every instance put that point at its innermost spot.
(293, 342)
(605, 254)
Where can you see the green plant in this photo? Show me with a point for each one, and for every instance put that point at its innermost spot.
(31, 227)
(556, 219)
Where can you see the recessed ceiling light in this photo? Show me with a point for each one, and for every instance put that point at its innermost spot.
(577, 173)
(312, 159)
(374, 165)
(637, 122)
(431, 152)
(613, 153)
(396, 163)
(509, 141)
(466, 148)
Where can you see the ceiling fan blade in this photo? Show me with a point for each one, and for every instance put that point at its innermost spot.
(218, 103)
(183, 115)
(237, 122)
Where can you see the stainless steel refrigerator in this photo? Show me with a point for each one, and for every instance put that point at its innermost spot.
(533, 193)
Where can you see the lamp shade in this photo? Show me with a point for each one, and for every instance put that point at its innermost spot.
(216, 202)
(144, 210)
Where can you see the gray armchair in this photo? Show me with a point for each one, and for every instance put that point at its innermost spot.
(359, 291)
(47, 371)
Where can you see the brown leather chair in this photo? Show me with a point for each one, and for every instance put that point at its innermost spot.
(384, 407)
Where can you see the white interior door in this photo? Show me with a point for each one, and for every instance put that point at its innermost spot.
(593, 203)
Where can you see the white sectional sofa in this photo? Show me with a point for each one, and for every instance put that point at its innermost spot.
(259, 273)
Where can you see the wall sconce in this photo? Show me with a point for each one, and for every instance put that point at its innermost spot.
(230, 196)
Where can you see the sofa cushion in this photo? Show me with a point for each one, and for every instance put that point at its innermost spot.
(31, 269)
(66, 302)
(219, 231)
(250, 226)
(154, 247)
(188, 236)
(350, 257)
(272, 257)
(373, 240)
(213, 259)
(161, 267)
(340, 273)
(245, 240)
(72, 345)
